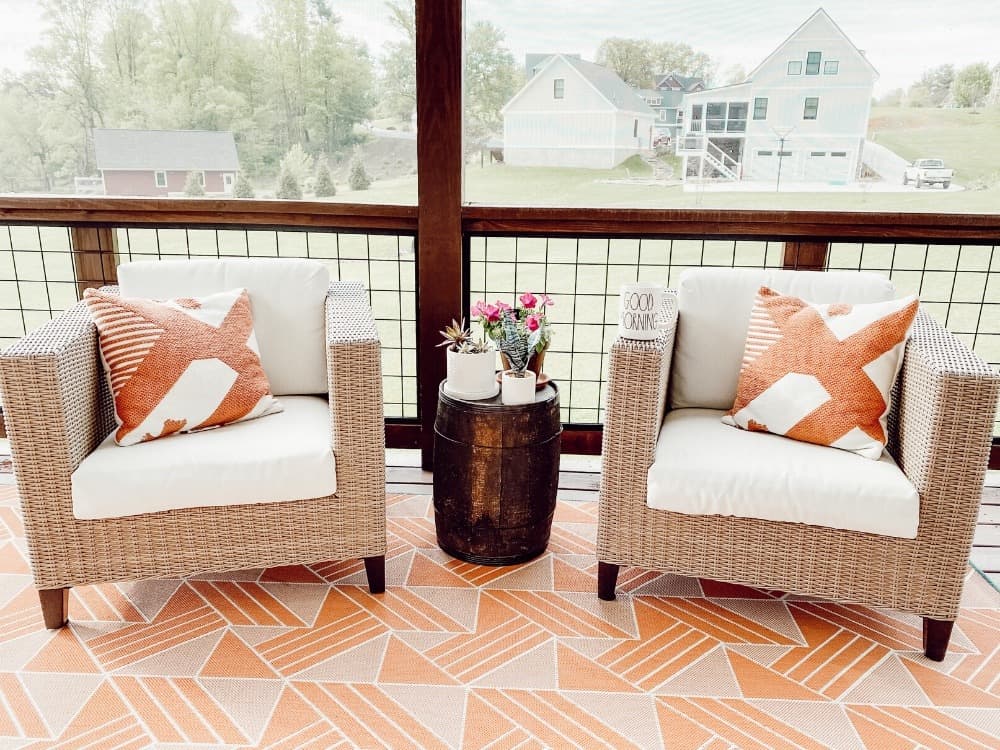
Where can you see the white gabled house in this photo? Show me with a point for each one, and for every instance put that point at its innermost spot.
(573, 113)
(802, 113)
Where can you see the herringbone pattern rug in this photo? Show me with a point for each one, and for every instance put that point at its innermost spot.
(456, 655)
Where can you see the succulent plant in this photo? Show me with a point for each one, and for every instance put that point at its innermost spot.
(459, 338)
(514, 345)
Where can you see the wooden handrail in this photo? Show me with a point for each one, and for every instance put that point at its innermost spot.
(730, 224)
(206, 212)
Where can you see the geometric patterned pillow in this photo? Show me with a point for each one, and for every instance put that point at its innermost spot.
(180, 365)
(821, 373)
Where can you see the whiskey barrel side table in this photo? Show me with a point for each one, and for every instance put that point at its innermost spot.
(496, 470)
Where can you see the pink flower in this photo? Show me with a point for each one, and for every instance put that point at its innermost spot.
(532, 322)
(545, 299)
(528, 300)
(492, 313)
(478, 309)
(503, 306)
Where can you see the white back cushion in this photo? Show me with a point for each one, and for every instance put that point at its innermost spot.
(287, 296)
(714, 313)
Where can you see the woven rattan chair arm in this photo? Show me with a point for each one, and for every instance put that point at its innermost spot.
(942, 423)
(354, 367)
(57, 409)
(637, 392)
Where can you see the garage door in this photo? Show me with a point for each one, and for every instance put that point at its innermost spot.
(827, 166)
(765, 165)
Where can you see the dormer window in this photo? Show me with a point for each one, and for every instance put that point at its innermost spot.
(794, 67)
(812, 63)
(831, 67)
(559, 88)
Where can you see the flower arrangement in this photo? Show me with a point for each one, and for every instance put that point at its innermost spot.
(519, 331)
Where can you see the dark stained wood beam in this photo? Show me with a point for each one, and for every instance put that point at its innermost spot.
(807, 255)
(207, 212)
(94, 256)
(439, 196)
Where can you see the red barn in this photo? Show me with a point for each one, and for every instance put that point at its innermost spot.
(157, 162)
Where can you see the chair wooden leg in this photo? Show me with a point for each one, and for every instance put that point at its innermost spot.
(607, 577)
(375, 570)
(55, 606)
(937, 633)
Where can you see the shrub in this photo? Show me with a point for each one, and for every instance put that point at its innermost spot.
(192, 186)
(242, 188)
(359, 179)
(324, 182)
(288, 187)
(299, 165)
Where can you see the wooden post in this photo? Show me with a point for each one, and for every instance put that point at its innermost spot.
(439, 196)
(94, 251)
(806, 256)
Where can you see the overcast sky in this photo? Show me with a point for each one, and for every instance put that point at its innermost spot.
(901, 37)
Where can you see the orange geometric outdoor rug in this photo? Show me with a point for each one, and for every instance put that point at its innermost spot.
(460, 656)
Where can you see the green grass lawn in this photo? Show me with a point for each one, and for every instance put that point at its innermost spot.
(966, 141)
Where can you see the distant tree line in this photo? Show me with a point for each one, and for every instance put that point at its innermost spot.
(970, 86)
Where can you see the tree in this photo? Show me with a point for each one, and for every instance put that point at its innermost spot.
(359, 179)
(324, 182)
(192, 185)
(933, 87)
(299, 165)
(639, 61)
(491, 79)
(971, 85)
(288, 187)
(734, 74)
(398, 79)
(243, 188)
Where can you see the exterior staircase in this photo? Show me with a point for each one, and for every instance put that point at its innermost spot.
(661, 171)
(720, 164)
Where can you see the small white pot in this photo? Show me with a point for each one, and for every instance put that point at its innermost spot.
(471, 376)
(517, 390)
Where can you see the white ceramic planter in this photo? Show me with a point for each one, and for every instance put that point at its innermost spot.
(517, 390)
(471, 376)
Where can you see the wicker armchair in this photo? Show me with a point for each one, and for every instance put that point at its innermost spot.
(58, 409)
(940, 428)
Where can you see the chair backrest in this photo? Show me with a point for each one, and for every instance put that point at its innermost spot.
(714, 307)
(287, 296)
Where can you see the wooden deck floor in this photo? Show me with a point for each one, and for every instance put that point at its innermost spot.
(579, 477)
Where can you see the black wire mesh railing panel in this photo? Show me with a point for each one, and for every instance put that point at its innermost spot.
(38, 280)
(584, 277)
(35, 284)
(958, 284)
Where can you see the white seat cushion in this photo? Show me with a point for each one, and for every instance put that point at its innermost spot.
(714, 305)
(285, 456)
(287, 298)
(703, 467)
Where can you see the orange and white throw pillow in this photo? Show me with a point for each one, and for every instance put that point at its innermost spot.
(180, 365)
(821, 373)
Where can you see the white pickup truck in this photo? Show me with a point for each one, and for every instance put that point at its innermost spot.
(928, 172)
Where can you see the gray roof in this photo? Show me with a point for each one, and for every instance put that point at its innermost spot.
(613, 88)
(686, 82)
(178, 150)
(534, 60)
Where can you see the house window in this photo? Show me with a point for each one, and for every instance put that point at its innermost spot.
(635, 128)
(817, 153)
(655, 101)
(811, 109)
(765, 153)
(715, 117)
(840, 154)
(794, 67)
(784, 153)
(161, 179)
(812, 63)
(559, 88)
(696, 112)
(760, 108)
(831, 67)
(663, 114)
(736, 121)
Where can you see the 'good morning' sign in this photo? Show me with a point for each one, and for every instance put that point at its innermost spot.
(637, 311)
